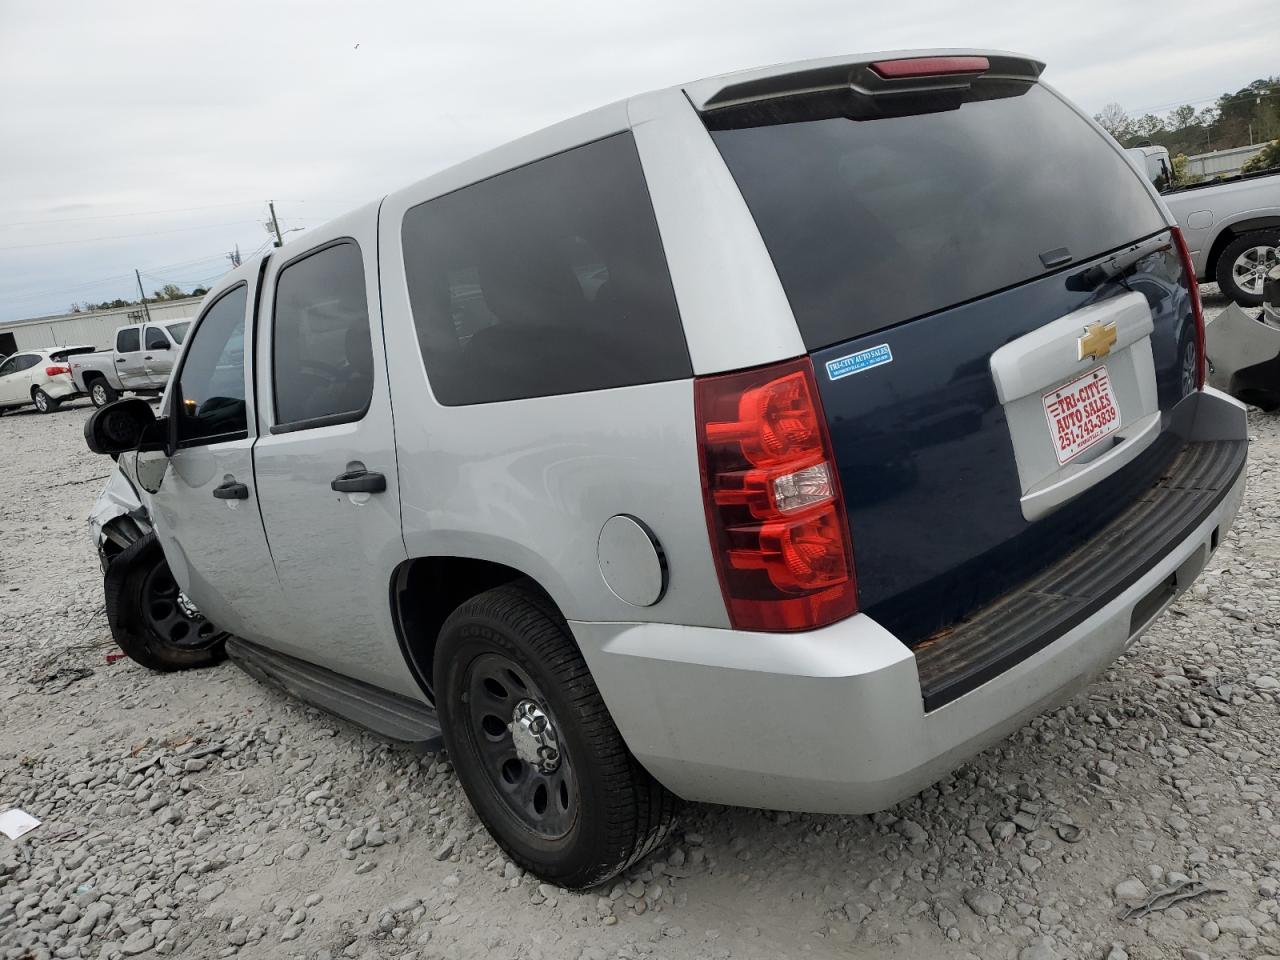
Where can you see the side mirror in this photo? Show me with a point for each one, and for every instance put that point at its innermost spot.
(125, 425)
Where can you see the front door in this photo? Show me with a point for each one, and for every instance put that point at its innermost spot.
(130, 367)
(326, 465)
(206, 509)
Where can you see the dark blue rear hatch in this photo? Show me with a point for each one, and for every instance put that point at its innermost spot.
(914, 238)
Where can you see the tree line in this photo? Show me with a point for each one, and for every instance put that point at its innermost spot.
(1251, 115)
(170, 291)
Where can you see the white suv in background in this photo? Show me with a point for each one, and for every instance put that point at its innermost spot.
(39, 377)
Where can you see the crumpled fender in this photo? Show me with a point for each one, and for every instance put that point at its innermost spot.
(118, 517)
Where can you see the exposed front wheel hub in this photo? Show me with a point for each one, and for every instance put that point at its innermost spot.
(534, 736)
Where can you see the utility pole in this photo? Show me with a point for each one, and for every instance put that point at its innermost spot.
(271, 204)
(234, 256)
(145, 308)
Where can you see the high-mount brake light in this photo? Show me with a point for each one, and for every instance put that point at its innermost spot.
(930, 67)
(54, 371)
(774, 510)
(1197, 309)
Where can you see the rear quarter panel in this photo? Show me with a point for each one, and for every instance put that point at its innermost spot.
(530, 483)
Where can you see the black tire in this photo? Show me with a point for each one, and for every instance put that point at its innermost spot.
(601, 810)
(101, 392)
(1225, 271)
(147, 619)
(44, 403)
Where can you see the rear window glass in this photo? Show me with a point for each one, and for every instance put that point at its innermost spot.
(548, 279)
(872, 222)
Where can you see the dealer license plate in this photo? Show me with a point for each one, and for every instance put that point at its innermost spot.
(1081, 414)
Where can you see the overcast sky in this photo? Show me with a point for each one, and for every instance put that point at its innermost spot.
(150, 135)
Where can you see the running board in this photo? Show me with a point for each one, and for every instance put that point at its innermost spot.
(389, 714)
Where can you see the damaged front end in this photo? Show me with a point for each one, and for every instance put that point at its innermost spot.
(118, 518)
(1244, 351)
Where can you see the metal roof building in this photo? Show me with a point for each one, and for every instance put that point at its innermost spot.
(94, 328)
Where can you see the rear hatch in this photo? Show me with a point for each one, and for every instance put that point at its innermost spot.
(996, 313)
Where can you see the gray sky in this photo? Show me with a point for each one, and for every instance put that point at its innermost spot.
(151, 134)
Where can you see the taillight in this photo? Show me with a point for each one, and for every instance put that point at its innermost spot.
(774, 510)
(930, 67)
(54, 371)
(1197, 310)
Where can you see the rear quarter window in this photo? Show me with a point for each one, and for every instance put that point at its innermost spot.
(547, 279)
(871, 222)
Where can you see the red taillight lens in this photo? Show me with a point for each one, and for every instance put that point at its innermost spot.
(930, 67)
(1197, 310)
(54, 371)
(774, 511)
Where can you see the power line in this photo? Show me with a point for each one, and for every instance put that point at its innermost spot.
(120, 216)
(128, 236)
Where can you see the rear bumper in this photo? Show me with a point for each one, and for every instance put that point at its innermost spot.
(60, 388)
(834, 720)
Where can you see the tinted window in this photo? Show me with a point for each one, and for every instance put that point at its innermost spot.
(875, 221)
(156, 340)
(210, 391)
(548, 279)
(178, 330)
(321, 354)
(127, 340)
(9, 366)
(26, 362)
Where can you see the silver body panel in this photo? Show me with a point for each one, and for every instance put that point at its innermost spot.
(530, 484)
(1204, 212)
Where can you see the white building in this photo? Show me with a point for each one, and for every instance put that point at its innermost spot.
(95, 328)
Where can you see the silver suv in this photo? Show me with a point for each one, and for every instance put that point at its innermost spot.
(779, 440)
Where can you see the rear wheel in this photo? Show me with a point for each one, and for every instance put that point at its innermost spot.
(534, 745)
(102, 393)
(151, 619)
(1242, 267)
(44, 403)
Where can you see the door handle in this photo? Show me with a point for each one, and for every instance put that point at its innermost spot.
(121, 360)
(359, 481)
(231, 490)
(146, 358)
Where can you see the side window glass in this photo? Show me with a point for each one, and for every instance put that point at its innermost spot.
(26, 363)
(156, 340)
(210, 394)
(127, 340)
(321, 351)
(547, 279)
(9, 366)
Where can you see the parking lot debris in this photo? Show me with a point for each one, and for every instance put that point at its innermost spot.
(58, 680)
(1166, 897)
(17, 823)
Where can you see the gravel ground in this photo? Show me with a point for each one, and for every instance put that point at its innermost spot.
(203, 815)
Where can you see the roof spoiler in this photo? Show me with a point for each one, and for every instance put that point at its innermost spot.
(897, 72)
(62, 353)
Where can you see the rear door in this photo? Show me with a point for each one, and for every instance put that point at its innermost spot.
(326, 460)
(158, 353)
(996, 315)
(15, 378)
(205, 508)
(131, 368)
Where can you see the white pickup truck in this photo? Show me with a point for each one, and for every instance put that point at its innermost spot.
(140, 361)
(1231, 224)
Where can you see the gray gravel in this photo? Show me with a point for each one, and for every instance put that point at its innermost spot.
(202, 815)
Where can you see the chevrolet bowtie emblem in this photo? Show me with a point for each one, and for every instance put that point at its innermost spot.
(1097, 341)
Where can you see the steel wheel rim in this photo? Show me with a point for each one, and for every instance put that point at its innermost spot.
(545, 802)
(1251, 266)
(99, 395)
(171, 616)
